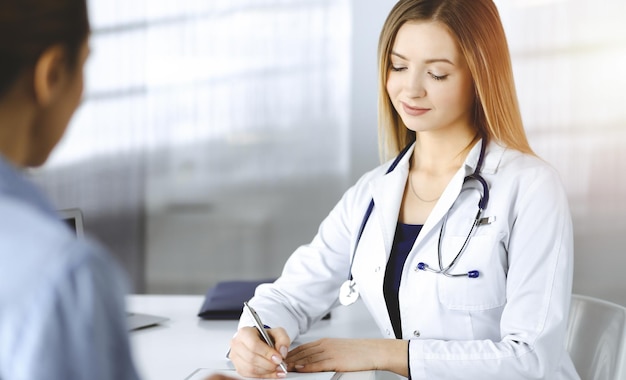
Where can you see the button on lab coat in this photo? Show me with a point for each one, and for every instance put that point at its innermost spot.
(509, 323)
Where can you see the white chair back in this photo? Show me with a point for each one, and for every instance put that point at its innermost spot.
(596, 338)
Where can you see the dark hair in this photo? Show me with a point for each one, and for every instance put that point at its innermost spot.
(29, 27)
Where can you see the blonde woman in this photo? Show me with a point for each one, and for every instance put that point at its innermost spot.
(460, 245)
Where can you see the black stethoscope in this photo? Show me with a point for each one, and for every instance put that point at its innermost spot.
(348, 293)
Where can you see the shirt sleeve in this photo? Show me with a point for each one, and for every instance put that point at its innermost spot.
(75, 327)
(308, 287)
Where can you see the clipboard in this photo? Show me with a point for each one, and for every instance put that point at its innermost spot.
(224, 301)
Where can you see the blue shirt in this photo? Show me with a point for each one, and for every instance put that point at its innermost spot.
(62, 301)
(402, 243)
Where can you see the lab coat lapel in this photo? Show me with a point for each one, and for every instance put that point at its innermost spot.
(387, 192)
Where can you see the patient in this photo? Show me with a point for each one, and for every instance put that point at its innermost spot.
(61, 299)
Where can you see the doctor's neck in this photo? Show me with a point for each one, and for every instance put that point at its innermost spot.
(436, 153)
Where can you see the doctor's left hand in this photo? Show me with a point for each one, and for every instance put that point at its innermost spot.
(348, 355)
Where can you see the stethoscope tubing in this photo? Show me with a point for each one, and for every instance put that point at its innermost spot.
(482, 205)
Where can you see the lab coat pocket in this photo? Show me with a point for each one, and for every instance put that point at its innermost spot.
(488, 290)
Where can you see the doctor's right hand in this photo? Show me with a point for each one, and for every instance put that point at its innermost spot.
(252, 357)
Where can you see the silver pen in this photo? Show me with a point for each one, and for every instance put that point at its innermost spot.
(261, 327)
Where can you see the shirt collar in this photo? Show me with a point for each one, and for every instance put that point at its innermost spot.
(15, 185)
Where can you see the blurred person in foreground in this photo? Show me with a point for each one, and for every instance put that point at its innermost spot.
(61, 299)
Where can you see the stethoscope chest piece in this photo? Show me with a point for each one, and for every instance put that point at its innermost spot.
(348, 293)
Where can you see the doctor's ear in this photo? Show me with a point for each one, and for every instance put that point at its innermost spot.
(50, 73)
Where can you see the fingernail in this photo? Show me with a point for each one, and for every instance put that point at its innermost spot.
(284, 351)
(276, 359)
(299, 366)
(281, 374)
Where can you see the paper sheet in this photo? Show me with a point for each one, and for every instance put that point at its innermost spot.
(203, 373)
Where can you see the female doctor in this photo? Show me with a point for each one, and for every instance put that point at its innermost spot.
(460, 245)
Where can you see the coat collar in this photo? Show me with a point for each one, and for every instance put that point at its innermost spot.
(15, 185)
(493, 156)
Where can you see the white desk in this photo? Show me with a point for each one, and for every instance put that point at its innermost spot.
(175, 349)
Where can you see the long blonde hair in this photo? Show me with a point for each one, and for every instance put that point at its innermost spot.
(479, 33)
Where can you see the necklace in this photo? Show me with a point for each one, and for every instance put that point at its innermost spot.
(415, 192)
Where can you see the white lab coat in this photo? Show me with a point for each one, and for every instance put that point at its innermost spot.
(509, 323)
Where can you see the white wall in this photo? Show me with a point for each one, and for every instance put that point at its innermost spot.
(569, 59)
(367, 20)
